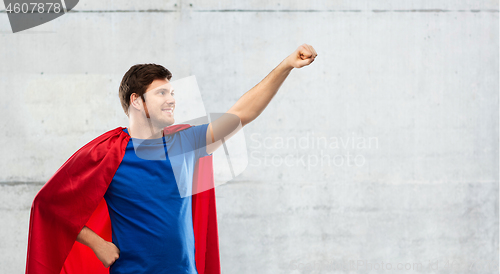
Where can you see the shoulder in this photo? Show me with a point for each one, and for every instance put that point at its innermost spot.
(195, 134)
(195, 129)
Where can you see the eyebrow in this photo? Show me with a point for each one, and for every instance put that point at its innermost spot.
(164, 89)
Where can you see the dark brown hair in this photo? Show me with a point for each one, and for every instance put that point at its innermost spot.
(137, 79)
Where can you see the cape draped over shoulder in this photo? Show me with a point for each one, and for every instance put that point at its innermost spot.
(74, 197)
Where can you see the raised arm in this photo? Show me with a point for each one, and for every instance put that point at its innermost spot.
(253, 102)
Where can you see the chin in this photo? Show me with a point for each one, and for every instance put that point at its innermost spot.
(169, 122)
(164, 123)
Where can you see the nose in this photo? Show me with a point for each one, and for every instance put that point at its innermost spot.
(171, 101)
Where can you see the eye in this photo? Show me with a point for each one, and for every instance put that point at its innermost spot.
(173, 93)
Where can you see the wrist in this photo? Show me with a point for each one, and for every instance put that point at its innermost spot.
(97, 243)
(287, 64)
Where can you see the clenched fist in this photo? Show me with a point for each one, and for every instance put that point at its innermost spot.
(303, 56)
(107, 253)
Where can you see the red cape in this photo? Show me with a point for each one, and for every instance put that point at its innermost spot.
(73, 197)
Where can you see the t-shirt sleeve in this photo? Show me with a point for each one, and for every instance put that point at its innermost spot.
(198, 137)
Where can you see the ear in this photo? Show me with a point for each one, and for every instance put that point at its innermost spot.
(135, 101)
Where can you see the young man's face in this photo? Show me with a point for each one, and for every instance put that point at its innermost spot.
(160, 102)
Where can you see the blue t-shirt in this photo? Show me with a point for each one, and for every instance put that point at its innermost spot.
(151, 221)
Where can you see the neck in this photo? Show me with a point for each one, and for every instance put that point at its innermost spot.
(144, 131)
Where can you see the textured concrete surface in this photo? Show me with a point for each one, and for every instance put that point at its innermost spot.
(382, 153)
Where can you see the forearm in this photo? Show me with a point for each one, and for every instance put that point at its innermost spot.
(89, 238)
(253, 102)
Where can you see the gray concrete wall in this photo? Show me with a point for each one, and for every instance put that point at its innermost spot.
(403, 93)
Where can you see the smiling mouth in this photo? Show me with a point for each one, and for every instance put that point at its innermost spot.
(171, 111)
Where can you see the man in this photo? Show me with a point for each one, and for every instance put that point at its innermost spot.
(151, 223)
